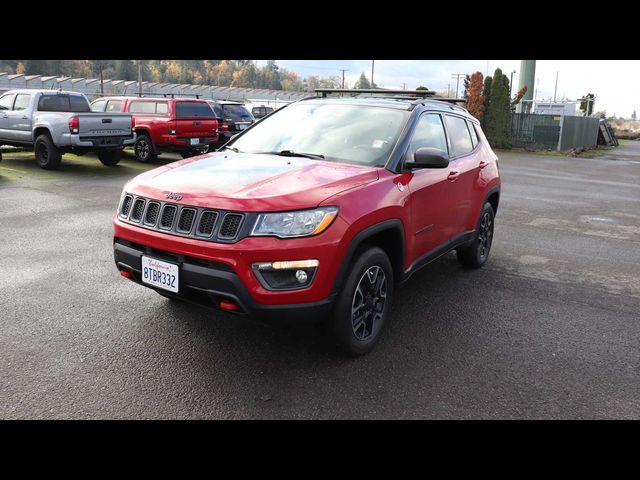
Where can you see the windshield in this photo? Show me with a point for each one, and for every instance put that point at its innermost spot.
(358, 134)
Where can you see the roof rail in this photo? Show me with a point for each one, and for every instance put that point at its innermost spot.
(445, 99)
(377, 91)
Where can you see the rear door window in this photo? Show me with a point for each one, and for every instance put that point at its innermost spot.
(22, 101)
(193, 110)
(474, 134)
(459, 135)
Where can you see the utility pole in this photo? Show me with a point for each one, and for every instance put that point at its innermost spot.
(404, 86)
(372, 63)
(343, 70)
(458, 76)
(556, 89)
(511, 83)
(101, 65)
(139, 78)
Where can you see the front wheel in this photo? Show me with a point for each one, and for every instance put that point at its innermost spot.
(364, 303)
(475, 254)
(110, 157)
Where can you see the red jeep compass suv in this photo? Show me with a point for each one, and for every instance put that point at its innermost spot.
(319, 211)
(186, 126)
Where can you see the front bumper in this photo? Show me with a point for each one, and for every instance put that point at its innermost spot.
(208, 283)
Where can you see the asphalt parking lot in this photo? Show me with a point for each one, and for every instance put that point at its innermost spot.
(549, 328)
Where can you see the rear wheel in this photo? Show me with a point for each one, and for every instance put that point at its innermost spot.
(364, 302)
(143, 149)
(48, 155)
(110, 157)
(476, 253)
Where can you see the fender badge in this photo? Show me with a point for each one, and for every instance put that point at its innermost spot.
(173, 196)
(400, 187)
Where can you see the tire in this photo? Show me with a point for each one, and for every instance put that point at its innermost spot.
(48, 155)
(475, 254)
(110, 157)
(144, 149)
(360, 336)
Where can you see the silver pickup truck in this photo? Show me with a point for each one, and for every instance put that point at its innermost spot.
(57, 122)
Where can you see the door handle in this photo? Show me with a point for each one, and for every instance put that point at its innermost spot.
(483, 164)
(24, 117)
(453, 175)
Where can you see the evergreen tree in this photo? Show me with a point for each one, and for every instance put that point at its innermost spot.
(498, 118)
(362, 82)
(633, 115)
(486, 93)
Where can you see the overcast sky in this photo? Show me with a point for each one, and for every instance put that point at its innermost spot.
(614, 82)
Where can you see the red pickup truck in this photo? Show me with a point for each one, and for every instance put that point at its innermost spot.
(186, 126)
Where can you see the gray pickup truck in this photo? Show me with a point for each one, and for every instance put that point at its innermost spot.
(57, 122)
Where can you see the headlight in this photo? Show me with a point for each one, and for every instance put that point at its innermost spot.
(302, 223)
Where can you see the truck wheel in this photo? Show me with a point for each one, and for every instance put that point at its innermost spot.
(48, 155)
(476, 253)
(364, 302)
(110, 157)
(143, 149)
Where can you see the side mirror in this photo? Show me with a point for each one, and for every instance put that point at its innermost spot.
(426, 157)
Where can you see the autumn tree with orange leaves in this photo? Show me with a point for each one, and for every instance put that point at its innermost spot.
(475, 102)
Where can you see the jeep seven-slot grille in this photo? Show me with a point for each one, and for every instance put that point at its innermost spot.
(126, 205)
(138, 208)
(168, 215)
(230, 225)
(207, 222)
(185, 221)
(152, 213)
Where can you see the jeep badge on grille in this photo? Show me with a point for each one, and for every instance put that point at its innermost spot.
(174, 196)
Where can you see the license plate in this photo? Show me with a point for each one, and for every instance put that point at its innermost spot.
(195, 141)
(160, 274)
(241, 127)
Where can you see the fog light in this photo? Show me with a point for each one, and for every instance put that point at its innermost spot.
(301, 276)
(285, 275)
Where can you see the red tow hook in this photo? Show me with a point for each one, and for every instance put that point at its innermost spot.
(229, 305)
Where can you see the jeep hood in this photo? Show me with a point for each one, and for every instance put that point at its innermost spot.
(251, 182)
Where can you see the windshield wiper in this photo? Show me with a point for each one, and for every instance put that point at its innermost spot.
(231, 148)
(291, 153)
